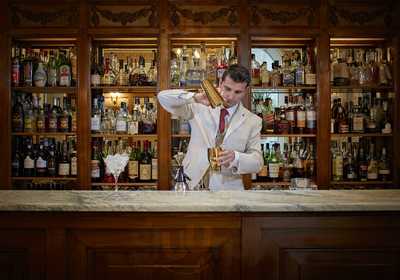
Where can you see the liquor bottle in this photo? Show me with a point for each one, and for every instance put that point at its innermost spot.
(40, 76)
(301, 118)
(145, 163)
(290, 113)
(63, 119)
(53, 116)
(96, 117)
(28, 69)
(299, 69)
(387, 123)
(133, 164)
(341, 71)
(281, 123)
(358, 119)
(96, 70)
(154, 162)
(311, 160)
(372, 163)
(74, 160)
(18, 116)
(122, 118)
(310, 76)
(29, 161)
(362, 165)
(64, 70)
(263, 173)
(142, 72)
(41, 162)
(17, 158)
(350, 169)
(52, 71)
(51, 162)
(152, 73)
(63, 162)
(265, 75)
(311, 116)
(255, 71)
(341, 125)
(269, 116)
(276, 77)
(73, 62)
(122, 78)
(273, 165)
(107, 76)
(73, 116)
(95, 164)
(28, 116)
(384, 166)
(337, 163)
(286, 166)
(288, 77)
(222, 65)
(15, 68)
(174, 73)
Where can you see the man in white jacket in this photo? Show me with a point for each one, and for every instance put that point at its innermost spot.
(234, 128)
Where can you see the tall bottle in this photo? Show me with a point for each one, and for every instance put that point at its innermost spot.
(96, 117)
(15, 68)
(145, 163)
(154, 162)
(41, 162)
(311, 116)
(28, 69)
(95, 164)
(255, 71)
(18, 116)
(133, 164)
(263, 173)
(51, 162)
(337, 164)
(29, 161)
(384, 166)
(273, 165)
(372, 163)
(63, 162)
(122, 119)
(65, 70)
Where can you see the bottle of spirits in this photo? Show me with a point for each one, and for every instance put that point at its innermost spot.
(51, 162)
(222, 65)
(152, 73)
(95, 164)
(15, 68)
(311, 116)
(358, 118)
(65, 70)
(337, 164)
(350, 167)
(133, 164)
(372, 163)
(63, 162)
(263, 173)
(287, 73)
(276, 77)
(96, 117)
(265, 75)
(95, 70)
(387, 123)
(290, 113)
(269, 116)
(362, 165)
(255, 71)
(301, 118)
(145, 164)
(274, 165)
(310, 76)
(123, 78)
(18, 116)
(17, 158)
(122, 115)
(174, 73)
(28, 69)
(74, 160)
(107, 76)
(142, 72)
(154, 162)
(41, 162)
(52, 73)
(29, 161)
(63, 120)
(384, 166)
(299, 69)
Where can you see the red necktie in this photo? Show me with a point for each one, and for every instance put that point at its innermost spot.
(222, 115)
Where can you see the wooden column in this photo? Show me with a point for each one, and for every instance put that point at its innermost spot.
(396, 119)
(84, 108)
(5, 104)
(164, 122)
(323, 100)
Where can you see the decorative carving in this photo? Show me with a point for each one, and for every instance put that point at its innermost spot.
(204, 17)
(125, 17)
(360, 17)
(282, 17)
(70, 15)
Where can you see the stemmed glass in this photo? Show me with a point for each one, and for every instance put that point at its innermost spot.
(116, 164)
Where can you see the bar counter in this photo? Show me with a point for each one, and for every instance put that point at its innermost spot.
(335, 234)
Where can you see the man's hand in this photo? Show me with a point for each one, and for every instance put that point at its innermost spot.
(226, 157)
(201, 97)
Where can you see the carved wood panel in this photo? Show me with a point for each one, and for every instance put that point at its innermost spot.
(295, 14)
(44, 15)
(124, 15)
(157, 252)
(363, 13)
(22, 254)
(210, 14)
(321, 248)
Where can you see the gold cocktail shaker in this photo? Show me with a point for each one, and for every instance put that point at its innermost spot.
(213, 95)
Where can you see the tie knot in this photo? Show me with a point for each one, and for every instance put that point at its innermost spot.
(224, 112)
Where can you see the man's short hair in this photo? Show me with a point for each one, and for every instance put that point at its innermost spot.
(238, 74)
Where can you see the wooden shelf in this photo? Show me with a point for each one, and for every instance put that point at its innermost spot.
(284, 88)
(356, 183)
(111, 135)
(128, 89)
(339, 135)
(288, 135)
(44, 178)
(271, 183)
(362, 87)
(139, 184)
(44, 134)
(188, 88)
(181, 135)
(54, 90)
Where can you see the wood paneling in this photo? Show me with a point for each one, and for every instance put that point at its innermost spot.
(333, 247)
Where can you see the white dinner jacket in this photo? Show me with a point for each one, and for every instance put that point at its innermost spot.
(242, 136)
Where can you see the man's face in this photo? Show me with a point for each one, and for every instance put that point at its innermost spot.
(232, 92)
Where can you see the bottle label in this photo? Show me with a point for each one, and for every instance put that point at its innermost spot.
(95, 80)
(40, 78)
(290, 115)
(28, 74)
(145, 172)
(28, 124)
(274, 170)
(301, 119)
(133, 127)
(264, 171)
(351, 175)
(338, 166)
(63, 169)
(343, 128)
(372, 176)
(311, 119)
(95, 124)
(121, 125)
(358, 124)
(74, 166)
(53, 123)
(95, 169)
(133, 169)
(255, 77)
(384, 171)
(64, 123)
(40, 124)
(29, 163)
(52, 77)
(73, 123)
(65, 75)
(311, 79)
(15, 74)
(154, 169)
(41, 163)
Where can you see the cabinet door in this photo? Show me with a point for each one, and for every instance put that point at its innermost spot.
(22, 254)
(321, 247)
(164, 250)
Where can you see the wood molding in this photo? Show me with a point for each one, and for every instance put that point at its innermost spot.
(44, 18)
(125, 17)
(282, 16)
(203, 17)
(360, 17)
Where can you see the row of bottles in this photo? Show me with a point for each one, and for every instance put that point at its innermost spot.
(141, 119)
(357, 160)
(142, 165)
(48, 158)
(370, 112)
(361, 67)
(43, 67)
(297, 115)
(189, 66)
(34, 113)
(297, 160)
(111, 70)
(297, 69)
(43, 185)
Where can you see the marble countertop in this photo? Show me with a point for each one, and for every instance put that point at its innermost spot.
(223, 201)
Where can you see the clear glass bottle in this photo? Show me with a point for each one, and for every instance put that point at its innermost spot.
(121, 125)
(255, 71)
(384, 166)
(96, 117)
(372, 163)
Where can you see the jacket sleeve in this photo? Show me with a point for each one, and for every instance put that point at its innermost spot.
(177, 102)
(251, 160)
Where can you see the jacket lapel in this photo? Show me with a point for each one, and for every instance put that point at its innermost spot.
(236, 121)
